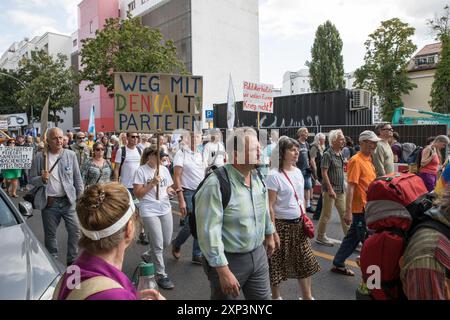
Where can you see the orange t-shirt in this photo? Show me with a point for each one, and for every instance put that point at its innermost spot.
(360, 172)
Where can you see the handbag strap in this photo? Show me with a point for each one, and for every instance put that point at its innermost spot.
(295, 192)
(57, 160)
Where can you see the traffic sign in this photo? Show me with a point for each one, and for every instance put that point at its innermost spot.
(209, 114)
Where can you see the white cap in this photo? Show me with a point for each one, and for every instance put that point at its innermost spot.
(369, 136)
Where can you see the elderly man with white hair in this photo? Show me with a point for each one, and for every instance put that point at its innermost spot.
(58, 186)
(333, 185)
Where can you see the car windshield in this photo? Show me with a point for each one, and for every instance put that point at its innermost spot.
(7, 217)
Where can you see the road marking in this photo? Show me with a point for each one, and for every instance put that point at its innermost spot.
(316, 253)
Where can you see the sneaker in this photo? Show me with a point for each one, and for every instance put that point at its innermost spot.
(359, 247)
(310, 210)
(143, 239)
(197, 260)
(165, 283)
(324, 241)
(146, 257)
(176, 252)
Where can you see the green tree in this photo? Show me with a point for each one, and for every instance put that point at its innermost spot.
(440, 90)
(45, 78)
(440, 26)
(126, 46)
(388, 51)
(326, 68)
(10, 85)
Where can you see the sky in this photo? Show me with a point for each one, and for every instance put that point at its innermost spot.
(287, 27)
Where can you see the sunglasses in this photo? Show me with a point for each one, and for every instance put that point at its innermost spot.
(134, 137)
(99, 149)
(80, 138)
(387, 129)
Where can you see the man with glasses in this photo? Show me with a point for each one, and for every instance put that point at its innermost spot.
(128, 159)
(383, 158)
(81, 150)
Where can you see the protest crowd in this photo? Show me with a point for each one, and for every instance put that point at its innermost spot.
(247, 206)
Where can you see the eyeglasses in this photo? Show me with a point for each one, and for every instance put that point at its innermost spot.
(99, 149)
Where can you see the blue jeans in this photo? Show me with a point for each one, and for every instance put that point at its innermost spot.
(355, 235)
(185, 232)
(51, 217)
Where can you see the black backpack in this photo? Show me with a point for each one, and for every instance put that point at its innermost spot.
(415, 157)
(124, 155)
(225, 190)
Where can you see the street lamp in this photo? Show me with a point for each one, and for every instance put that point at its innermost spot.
(24, 86)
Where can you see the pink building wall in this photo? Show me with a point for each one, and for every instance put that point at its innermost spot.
(95, 12)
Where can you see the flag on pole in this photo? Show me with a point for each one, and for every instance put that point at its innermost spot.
(44, 118)
(91, 128)
(231, 102)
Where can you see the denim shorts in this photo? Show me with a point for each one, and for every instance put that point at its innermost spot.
(308, 183)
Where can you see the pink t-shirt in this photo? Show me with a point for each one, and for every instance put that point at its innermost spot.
(92, 266)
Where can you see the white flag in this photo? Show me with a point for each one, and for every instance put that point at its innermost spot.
(231, 102)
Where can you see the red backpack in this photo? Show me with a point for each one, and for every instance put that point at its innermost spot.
(395, 204)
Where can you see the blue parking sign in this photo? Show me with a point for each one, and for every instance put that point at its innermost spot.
(209, 114)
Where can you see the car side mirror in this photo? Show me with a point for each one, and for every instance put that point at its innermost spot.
(26, 209)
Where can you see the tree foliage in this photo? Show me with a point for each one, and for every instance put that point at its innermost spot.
(46, 77)
(440, 90)
(126, 46)
(326, 68)
(440, 26)
(384, 73)
(10, 85)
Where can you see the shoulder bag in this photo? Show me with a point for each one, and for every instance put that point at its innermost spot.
(308, 226)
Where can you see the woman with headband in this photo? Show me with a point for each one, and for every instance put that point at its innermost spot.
(108, 222)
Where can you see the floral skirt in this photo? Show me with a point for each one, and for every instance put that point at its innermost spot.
(295, 258)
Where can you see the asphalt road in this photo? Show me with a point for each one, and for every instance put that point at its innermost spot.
(191, 282)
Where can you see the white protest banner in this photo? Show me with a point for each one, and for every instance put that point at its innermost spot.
(146, 102)
(16, 157)
(3, 124)
(258, 97)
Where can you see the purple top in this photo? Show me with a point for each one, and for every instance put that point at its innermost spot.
(92, 266)
(397, 150)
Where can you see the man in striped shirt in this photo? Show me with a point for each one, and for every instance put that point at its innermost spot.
(236, 241)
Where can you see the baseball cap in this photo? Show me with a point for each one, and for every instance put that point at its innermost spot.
(368, 136)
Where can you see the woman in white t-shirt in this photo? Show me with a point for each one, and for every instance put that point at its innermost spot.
(156, 214)
(294, 259)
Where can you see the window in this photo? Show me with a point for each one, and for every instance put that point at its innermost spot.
(74, 43)
(132, 6)
(143, 1)
(91, 27)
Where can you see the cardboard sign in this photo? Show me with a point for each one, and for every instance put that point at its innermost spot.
(16, 157)
(146, 102)
(3, 124)
(258, 97)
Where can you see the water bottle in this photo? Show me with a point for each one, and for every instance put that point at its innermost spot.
(146, 279)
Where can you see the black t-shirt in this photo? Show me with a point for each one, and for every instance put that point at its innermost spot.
(303, 159)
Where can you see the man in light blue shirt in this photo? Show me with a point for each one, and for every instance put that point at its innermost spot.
(236, 241)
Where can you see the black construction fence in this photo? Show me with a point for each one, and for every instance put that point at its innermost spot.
(417, 134)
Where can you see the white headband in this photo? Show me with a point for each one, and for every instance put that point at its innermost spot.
(97, 235)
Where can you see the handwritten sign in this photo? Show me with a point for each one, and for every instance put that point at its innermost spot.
(258, 97)
(16, 157)
(146, 102)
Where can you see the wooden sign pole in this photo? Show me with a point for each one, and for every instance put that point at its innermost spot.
(158, 161)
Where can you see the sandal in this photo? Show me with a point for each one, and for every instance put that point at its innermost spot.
(344, 271)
